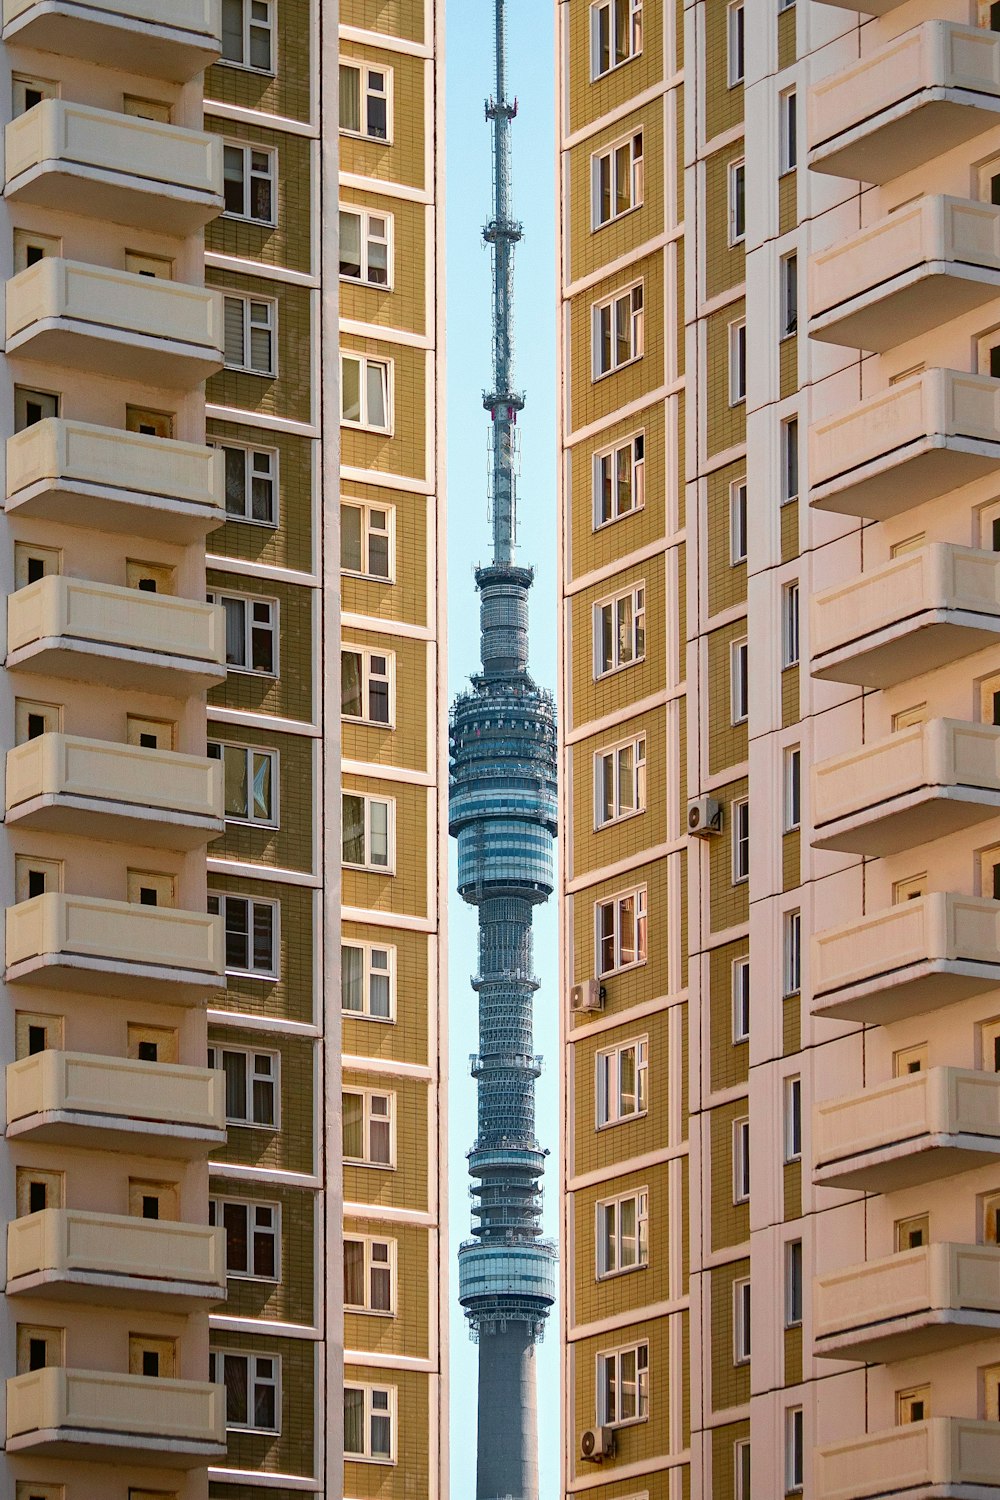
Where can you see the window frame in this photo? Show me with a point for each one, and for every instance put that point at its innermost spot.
(741, 1320)
(741, 840)
(612, 753)
(640, 1197)
(738, 522)
(788, 131)
(362, 68)
(367, 1120)
(608, 1111)
(364, 362)
(789, 287)
(249, 821)
(364, 215)
(792, 788)
(741, 999)
(244, 64)
(634, 144)
(635, 447)
(369, 799)
(735, 44)
(218, 1202)
(635, 30)
(635, 295)
(741, 1470)
(792, 1119)
(247, 149)
(639, 895)
(791, 966)
(216, 1050)
(739, 680)
(253, 451)
(273, 626)
(365, 508)
(794, 1283)
(794, 1449)
(791, 625)
(222, 900)
(618, 663)
(247, 301)
(352, 648)
(614, 1357)
(741, 1159)
(366, 950)
(369, 1388)
(791, 478)
(217, 1365)
(737, 345)
(737, 199)
(366, 1309)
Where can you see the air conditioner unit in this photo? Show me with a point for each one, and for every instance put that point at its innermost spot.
(587, 996)
(596, 1444)
(704, 817)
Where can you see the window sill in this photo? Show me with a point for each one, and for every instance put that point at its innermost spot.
(359, 1458)
(367, 1312)
(246, 219)
(251, 1125)
(375, 1166)
(368, 723)
(615, 369)
(251, 974)
(616, 822)
(628, 1422)
(259, 1280)
(246, 370)
(362, 1015)
(247, 521)
(369, 869)
(640, 963)
(363, 427)
(615, 67)
(613, 520)
(366, 577)
(623, 1270)
(241, 67)
(622, 667)
(362, 135)
(616, 218)
(363, 282)
(623, 1120)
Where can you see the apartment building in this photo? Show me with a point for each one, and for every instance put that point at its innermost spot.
(780, 671)
(223, 967)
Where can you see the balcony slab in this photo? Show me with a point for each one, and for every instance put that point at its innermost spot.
(142, 36)
(944, 1458)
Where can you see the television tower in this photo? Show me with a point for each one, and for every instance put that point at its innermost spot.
(503, 813)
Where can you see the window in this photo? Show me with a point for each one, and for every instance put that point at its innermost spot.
(793, 1119)
(617, 331)
(369, 1127)
(620, 781)
(788, 131)
(249, 334)
(248, 34)
(251, 1084)
(615, 34)
(793, 1283)
(27, 92)
(365, 392)
(621, 931)
(623, 1386)
(33, 406)
(366, 101)
(741, 840)
(736, 43)
(370, 1422)
(366, 540)
(789, 269)
(248, 182)
(369, 1274)
(365, 246)
(909, 1060)
(737, 200)
(913, 1405)
(251, 484)
(616, 180)
(368, 831)
(741, 1468)
(737, 362)
(252, 1384)
(794, 1449)
(741, 999)
(366, 686)
(790, 624)
(793, 788)
(30, 248)
(741, 1160)
(737, 522)
(620, 480)
(621, 1082)
(913, 1233)
(620, 630)
(251, 929)
(368, 980)
(991, 1394)
(253, 1236)
(739, 681)
(789, 460)
(792, 957)
(741, 1321)
(251, 632)
(250, 782)
(622, 1233)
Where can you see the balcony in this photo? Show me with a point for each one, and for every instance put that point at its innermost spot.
(101, 1416)
(928, 435)
(942, 1456)
(916, 1302)
(109, 322)
(113, 167)
(909, 959)
(918, 96)
(919, 784)
(174, 42)
(910, 1130)
(918, 612)
(868, 7)
(114, 948)
(60, 783)
(115, 1103)
(911, 272)
(114, 1260)
(112, 480)
(125, 638)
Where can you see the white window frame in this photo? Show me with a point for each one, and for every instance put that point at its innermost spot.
(351, 648)
(638, 895)
(633, 296)
(613, 754)
(217, 751)
(217, 1358)
(613, 1357)
(217, 1205)
(792, 1114)
(794, 1283)
(788, 131)
(741, 1320)
(390, 1411)
(741, 998)
(789, 269)
(741, 840)
(631, 146)
(637, 645)
(738, 522)
(792, 778)
(366, 92)
(369, 801)
(792, 953)
(613, 1206)
(608, 463)
(634, 40)
(390, 1265)
(737, 178)
(365, 215)
(791, 644)
(739, 680)
(248, 303)
(254, 453)
(791, 479)
(740, 1446)
(741, 1159)
(250, 24)
(367, 533)
(364, 363)
(737, 361)
(271, 626)
(251, 1076)
(247, 150)
(794, 1449)
(368, 970)
(608, 1062)
(368, 1120)
(735, 44)
(219, 903)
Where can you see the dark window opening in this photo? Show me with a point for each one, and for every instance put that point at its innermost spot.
(36, 883)
(36, 1354)
(147, 1052)
(36, 725)
(36, 1040)
(150, 1206)
(37, 1197)
(150, 1362)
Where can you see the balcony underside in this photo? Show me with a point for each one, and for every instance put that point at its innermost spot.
(927, 1158)
(906, 135)
(86, 1445)
(103, 1289)
(912, 990)
(916, 817)
(908, 648)
(117, 352)
(905, 477)
(911, 304)
(116, 666)
(71, 1127)
(97, 818)
(138, 46)
(137, 202)
(106, 976)
(103, 508)
(920, 1333)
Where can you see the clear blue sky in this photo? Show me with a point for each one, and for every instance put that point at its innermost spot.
(468, 65)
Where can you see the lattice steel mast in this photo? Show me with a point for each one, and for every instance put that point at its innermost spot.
(503, 813)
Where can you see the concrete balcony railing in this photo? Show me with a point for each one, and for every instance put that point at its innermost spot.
(174, 41)
(912, 1129)
(916, 1302)
(60, 783)
(912, 271)
(115, 1103)
(907, 959)
(115, 1260)
(117, 323)
(930, 434)
(917, 612)
(104, 477)
(114, 167)
(919, 784)
(918, 96)
(114, 947)
(99, 1415)
(99, 632)
(942, 1456)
